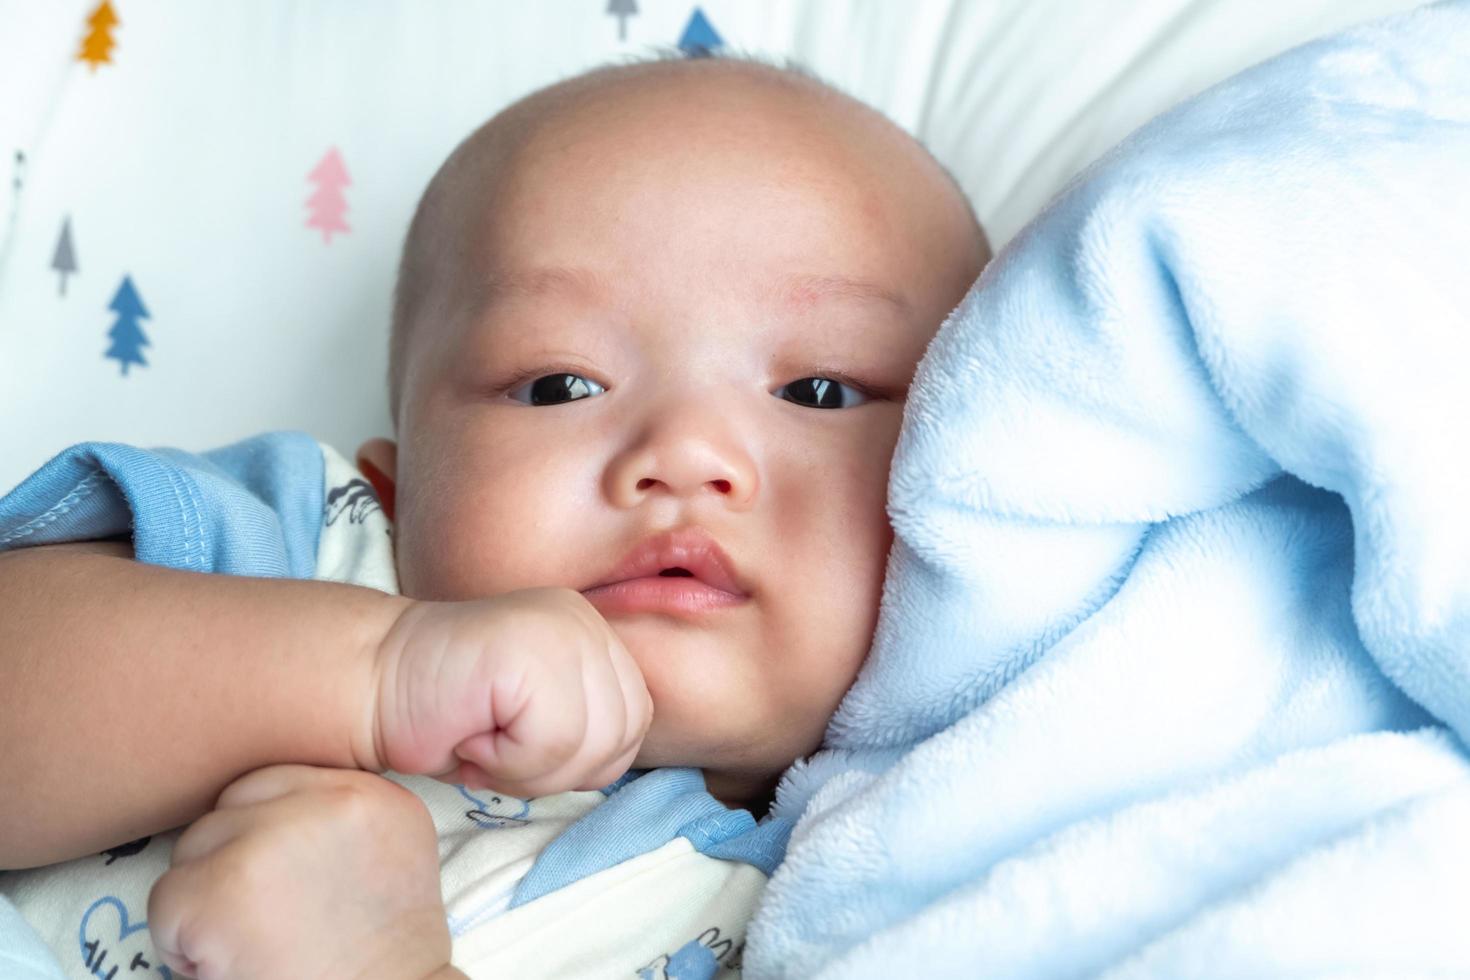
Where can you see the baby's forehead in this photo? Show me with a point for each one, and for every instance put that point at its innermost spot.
(693, 108)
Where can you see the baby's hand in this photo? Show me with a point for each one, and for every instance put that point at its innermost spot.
(528, 693)
(301, 871)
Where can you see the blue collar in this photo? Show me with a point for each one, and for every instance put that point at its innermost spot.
(643, 812)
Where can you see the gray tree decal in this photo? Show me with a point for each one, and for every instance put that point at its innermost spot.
(622, 10)
(65, 259)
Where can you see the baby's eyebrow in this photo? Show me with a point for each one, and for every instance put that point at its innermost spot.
(796, 289)
(547, 279)
(803, 289)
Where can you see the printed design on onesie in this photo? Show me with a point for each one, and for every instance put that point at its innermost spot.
(356, 499)
(125, 850)
(355, 542)
(113, 947)
(496, 812)
(698, 959)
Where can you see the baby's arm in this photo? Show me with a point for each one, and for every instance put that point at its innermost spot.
(130, 694)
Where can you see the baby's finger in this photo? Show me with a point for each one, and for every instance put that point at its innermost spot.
(283, 802)
(533, 735)
(271, 782)
(604, 738)
(174, 904)
(208, 834)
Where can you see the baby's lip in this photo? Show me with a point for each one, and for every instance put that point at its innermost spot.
(690, 548)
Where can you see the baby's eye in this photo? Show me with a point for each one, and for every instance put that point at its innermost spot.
(821, 393)
(554, 389)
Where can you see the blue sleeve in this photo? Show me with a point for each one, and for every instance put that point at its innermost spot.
(252, 508)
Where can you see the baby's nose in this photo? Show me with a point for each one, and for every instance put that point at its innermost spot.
(689, 468)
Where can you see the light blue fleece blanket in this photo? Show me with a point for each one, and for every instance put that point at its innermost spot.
(1172, 674)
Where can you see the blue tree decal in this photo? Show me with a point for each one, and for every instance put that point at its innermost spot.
(699, 39)
(128, 339)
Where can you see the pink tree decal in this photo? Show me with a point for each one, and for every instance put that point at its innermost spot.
(327, 203)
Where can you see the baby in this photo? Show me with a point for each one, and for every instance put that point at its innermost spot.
(653, 331)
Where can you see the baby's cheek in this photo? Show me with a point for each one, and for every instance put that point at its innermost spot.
(437, 553)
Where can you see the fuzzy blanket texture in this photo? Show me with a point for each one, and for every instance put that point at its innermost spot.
(1172, 673)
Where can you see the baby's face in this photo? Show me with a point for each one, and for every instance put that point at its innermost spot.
(692, 272)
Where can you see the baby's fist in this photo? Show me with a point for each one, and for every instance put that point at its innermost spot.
(307, 872)
(528, 693)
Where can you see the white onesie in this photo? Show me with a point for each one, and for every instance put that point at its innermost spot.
(671, 912)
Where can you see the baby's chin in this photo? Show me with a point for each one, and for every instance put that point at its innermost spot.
(745, 788)
(729, 758)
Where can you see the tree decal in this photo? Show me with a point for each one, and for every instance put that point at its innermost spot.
(65, 259)
(128, 340)
(327, 202)
(97, 45)
(699, 39)
(622, 10)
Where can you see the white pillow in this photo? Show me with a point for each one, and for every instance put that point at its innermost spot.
(182, 163)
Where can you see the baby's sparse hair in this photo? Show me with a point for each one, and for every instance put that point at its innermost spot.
(435, 244)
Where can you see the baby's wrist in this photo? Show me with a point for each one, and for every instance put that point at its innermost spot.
(375, 668)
